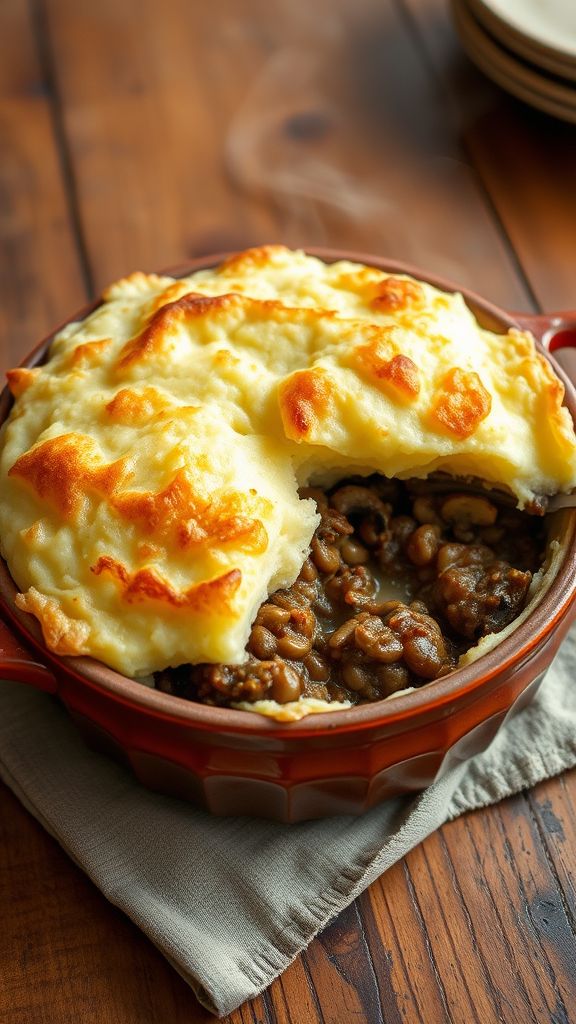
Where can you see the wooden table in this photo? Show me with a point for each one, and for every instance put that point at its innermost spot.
(136, 134)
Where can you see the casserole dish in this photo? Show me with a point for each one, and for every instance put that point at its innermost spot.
(236, 762)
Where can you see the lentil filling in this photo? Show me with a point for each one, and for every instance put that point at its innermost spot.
(462, 563)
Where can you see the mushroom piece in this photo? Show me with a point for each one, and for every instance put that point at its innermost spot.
(354, 498)
(468, 510)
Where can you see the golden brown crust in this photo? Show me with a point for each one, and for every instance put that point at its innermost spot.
(134, 408)
(20, 379)
(401, 375)
(304, 401)
(134, 282)
(174, 292)
(164, 322)
(209, 596)
(554, 386)
(62, 635)
(251, 259)
(89, 354)
(395, 293)
(462, 402)
(193, 307)
(392, 371)
(188, 520)
(64, 469)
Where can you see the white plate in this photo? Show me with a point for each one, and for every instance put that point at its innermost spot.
(550, 60)
(511, 74)
(547, 23)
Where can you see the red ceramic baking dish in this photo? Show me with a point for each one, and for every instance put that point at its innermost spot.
(344, 762)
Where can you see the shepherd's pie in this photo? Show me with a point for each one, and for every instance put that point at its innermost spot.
(150, 468)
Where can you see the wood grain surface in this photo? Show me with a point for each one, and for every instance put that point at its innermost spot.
(135, 134)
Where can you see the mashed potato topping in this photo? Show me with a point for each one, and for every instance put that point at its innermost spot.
(150, 468)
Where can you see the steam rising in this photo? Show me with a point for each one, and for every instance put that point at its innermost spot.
(344, 132)
(282, 144)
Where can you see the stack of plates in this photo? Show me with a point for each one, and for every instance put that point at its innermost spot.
(526, 46)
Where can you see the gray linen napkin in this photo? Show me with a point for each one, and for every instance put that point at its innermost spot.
(230, 902)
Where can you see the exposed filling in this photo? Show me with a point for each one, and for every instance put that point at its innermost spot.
(399, 583)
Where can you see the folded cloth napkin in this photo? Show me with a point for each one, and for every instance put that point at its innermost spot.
(230, 902)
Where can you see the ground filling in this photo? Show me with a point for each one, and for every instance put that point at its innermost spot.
(462, 564)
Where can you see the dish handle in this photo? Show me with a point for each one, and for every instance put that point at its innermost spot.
(18, 663)
(557, 333)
